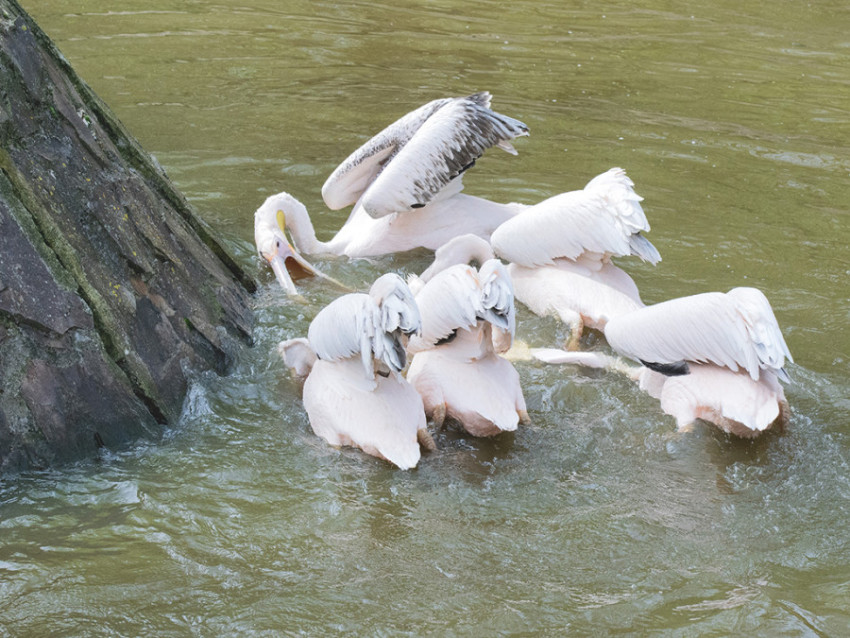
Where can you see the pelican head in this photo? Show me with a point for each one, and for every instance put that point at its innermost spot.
(273, 244)
(463, 249)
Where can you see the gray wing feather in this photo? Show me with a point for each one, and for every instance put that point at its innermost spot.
(444, 146)
(409, 162)
(498, 295)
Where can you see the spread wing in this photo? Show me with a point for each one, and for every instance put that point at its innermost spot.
(370, 325)
(605, 217)
(458, 297)
(408, 163)
(736, 330)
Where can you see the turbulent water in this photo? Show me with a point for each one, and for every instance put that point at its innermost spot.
(598, 518)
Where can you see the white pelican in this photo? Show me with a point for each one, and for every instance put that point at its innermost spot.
(354, 393)
(560, 252)
(455, 367)
(713, 356)
(405, 183)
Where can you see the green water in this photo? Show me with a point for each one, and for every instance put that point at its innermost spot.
(733, 119)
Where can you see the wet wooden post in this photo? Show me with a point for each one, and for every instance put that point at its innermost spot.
(113, 293)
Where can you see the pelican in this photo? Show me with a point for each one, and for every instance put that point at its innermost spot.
(456, 367)
(560, 253)
(406, 182)
(714, 356)
(354, 393)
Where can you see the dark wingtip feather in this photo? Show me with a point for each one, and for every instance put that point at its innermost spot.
(447, 339)
(676, 369)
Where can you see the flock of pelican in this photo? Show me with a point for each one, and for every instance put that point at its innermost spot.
(378, 365)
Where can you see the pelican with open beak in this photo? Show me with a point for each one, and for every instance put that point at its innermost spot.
(273, 246)
(405, 183)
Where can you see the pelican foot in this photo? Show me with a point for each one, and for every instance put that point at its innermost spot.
(688, 427)
(523, 417)
(426, 441)
(575, 337)
(438, 416)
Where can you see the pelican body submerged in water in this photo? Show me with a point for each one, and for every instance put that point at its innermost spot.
(714, 356)
(354, 393)
(468, 318)
(560, 253)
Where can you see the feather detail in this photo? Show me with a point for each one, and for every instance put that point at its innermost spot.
(604, 218)
(450, 301)
(408, 163)
(497, 296)
(369, 325)
(734, 330)
(461, 298)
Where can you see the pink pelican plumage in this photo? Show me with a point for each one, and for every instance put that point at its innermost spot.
(713, 356)
(353, 358)
(468, 318)
(560, 253)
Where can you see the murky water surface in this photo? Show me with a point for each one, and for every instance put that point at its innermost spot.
(733, 120)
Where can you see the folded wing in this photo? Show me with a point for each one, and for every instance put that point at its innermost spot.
(604, 218)
(736, 330)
